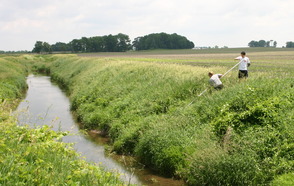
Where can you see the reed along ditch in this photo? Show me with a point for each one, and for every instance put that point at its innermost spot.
(46, 104)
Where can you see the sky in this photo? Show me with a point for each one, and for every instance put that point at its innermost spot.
(231, 23)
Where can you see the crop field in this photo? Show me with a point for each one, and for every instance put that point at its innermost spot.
(241, 135)
(262, 57)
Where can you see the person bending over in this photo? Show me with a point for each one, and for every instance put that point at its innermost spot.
(215, 80)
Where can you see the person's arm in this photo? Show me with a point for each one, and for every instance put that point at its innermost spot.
(238, 58)
(220, 75)
(248, 64)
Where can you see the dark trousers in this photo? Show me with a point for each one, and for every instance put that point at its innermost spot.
(243, 74)
(219, 87)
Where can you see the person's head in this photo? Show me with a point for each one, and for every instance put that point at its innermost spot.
(210, 74)
(243, 54)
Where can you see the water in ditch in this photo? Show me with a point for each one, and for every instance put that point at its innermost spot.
(46, 104)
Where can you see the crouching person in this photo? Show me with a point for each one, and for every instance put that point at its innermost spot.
(215, 81)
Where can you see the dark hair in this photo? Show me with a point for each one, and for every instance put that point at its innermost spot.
(243, 53)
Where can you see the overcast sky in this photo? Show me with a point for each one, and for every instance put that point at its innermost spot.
(230, 23)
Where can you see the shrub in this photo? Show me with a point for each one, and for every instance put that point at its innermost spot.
(218, 168)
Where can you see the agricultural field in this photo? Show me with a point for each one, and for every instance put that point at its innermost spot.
(241, 135)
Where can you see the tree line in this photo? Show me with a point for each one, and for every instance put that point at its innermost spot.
(14, 52)
(271, 43)
(116, 43)
(107, 43)
(263, 43)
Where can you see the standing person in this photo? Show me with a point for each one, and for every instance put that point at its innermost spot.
(215, 80)
(243, 66)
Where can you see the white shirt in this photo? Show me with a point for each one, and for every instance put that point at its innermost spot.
(243, 62)
(215, 81)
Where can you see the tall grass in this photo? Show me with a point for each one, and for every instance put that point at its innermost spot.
(242, 135)
(36, 156)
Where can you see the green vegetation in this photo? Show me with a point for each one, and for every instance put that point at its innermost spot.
(263, 43)
(162, 41)
(42, 47)
(242, 135)
(290, 44)
(284, 180)
(36, 156)
(108, 43)
(116, 43)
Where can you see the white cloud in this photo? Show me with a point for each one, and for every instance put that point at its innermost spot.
(211, 22)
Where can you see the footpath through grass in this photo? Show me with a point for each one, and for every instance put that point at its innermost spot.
(36, 156)
(242, 135)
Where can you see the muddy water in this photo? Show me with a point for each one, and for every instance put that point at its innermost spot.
(47, 104)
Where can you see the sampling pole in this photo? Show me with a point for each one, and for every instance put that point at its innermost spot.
(221, 77)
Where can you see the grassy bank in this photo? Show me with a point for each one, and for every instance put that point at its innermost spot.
(242, 135)
(35, 156)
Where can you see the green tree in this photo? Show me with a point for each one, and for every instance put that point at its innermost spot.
(252, 44)
(59, 47)
(76, 45)
(46, 47)
(123, 42)
(110, 43)
(96, 44)
(84, 44)
(262, 43)
(162, 41)
(137, 44)
(290, 44)
(38, 47)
